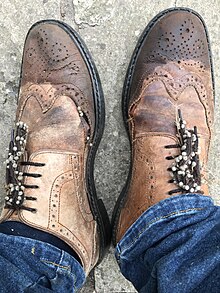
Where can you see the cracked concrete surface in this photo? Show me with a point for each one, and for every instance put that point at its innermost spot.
(110, 29)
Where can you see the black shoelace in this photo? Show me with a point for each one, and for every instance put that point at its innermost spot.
(185, 170)
(14, 176)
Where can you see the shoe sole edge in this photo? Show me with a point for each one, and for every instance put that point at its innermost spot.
(125, 100)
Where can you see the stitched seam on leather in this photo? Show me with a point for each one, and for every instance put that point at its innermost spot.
(61, 185)
(50, 91)
(58, 95)
(149, 171)
(142, 78)
(49, 215)
(76, 181)
(156, 220)
(94, 244)
(58, 222)
(188, 84)
(136, 101)
(35, 154)
(84, 124)
(50, 201)
(44, 109)
(153, 134)
(52, 101)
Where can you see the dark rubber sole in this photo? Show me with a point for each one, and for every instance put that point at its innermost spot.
(97, 206)
(126, 97)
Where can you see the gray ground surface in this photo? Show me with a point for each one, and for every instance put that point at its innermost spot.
(110, 29)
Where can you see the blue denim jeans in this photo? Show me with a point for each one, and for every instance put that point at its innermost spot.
(33, 266)
(173, 247)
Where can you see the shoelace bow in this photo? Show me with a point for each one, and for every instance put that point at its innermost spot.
(185, 170)
(15, 188)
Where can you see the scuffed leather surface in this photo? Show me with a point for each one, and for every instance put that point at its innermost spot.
(172, 72)
(51, 57)
(55, 82)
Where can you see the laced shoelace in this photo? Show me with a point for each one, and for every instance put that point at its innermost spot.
(185, 170)
(15, 188)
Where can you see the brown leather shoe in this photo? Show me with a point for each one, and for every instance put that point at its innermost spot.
(168, 90)
(59, 124)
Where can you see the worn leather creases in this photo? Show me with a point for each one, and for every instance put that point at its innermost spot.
(56, 101)
(170, 72)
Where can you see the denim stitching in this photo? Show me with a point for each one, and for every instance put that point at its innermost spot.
(70, 272)
(68, 268)
(74, 281)
(154, 221)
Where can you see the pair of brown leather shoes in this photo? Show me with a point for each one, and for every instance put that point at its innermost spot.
(168, 112)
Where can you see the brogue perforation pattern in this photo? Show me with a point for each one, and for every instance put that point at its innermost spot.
(46, 99)
(176, 87)
(141, 158)
(180, 44)
(53, 222)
